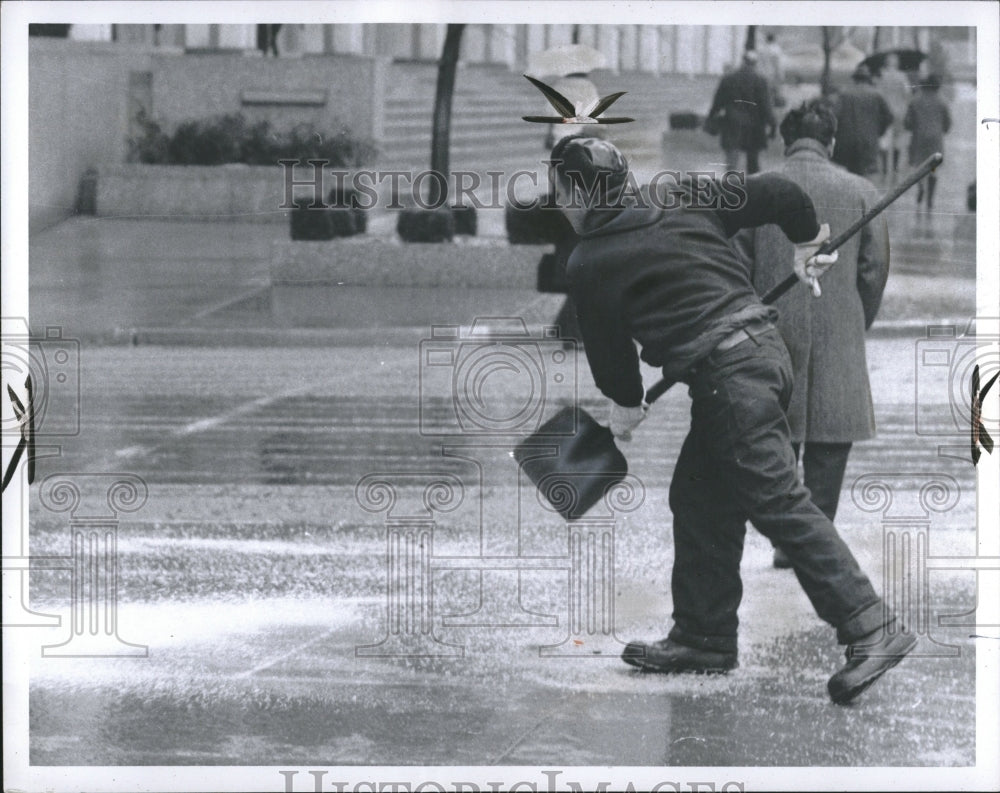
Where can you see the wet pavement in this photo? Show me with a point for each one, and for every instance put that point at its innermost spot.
(293, 616)
(257, 581)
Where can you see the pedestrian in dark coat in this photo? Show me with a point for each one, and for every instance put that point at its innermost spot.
(742, 113)
(831, 404)
(927, 119)
(863, 116)
(666, 275)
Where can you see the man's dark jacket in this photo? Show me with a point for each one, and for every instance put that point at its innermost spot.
(863, 116)
(671, 280)
(742, 104)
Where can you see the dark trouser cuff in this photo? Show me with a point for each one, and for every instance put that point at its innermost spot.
(716, 644)
(863, 622)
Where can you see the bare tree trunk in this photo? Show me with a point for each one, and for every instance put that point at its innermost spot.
(824, 80)
(831, 40)
(441, 130)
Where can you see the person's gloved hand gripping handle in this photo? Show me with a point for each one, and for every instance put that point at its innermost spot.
(623, 420)
(807, 265)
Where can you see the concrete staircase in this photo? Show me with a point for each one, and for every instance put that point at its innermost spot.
(488, 133)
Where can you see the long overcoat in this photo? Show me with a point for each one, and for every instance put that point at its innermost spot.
(742, 106)
(863, 116)
(928, 119)
(831, 399)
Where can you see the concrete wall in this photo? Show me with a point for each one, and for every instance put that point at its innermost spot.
(77, 118)
(231, 192)
(198, 85)
(418, 265)
(82, 96)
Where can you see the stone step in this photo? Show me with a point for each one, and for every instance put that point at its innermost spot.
(478, 128)
(486, 127)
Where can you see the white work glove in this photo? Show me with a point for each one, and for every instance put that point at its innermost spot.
(623, 420)
(808, 266)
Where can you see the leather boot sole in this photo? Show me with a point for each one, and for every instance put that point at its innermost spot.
(642, 656)
(861, 672)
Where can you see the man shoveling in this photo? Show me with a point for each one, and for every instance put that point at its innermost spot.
(668, 279)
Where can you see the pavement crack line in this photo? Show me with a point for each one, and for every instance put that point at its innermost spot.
(139, 450)
(524, 735)
(273, 661)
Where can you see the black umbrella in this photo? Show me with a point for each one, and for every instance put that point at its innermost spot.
(909, 60)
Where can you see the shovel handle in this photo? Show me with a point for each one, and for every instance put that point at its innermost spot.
(659, 389)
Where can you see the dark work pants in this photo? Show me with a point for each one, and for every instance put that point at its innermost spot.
(737, 464)
(823, 466)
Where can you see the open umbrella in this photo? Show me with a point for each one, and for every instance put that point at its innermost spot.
(566, 59)
(909, 60)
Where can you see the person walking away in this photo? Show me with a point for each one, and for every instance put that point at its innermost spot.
(928, 120)
(669, 279)
(267, 39)
(863, 117)
(831, 402)
(772, 66)
(741, 110)
(895, 88)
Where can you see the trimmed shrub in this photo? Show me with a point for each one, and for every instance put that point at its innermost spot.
(311, 223)
(350, 218)
(340, 218)
(152, 145)
(232, 138)
(466, 222)
(426, 225)
(214, 142)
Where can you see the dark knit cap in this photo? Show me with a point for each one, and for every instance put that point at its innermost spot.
(593, 164)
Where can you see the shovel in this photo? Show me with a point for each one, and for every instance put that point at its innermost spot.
(575, 470)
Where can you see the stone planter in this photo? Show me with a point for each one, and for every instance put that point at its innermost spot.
(238, 192)
(363, 261)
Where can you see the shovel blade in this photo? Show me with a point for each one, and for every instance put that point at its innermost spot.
(586, 462)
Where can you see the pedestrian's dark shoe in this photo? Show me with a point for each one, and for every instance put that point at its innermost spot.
(867, 660)
(781, 560)
(669, 657)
